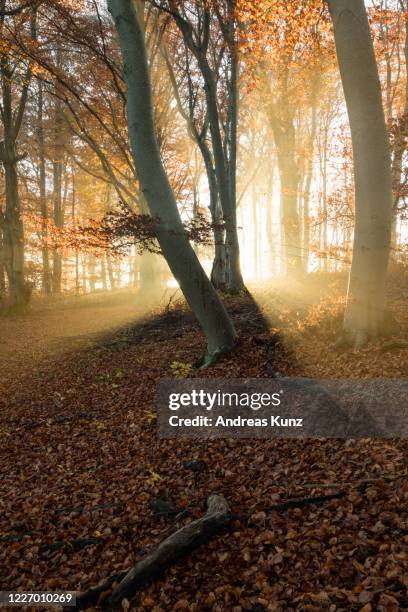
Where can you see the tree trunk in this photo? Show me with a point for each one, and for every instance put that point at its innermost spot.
(151, 269)
(256, 229)
(103, 273)
(372, 169)
(12, 119)
(289, 213)
(174, 243)
(309, 175)
(270, 235)
(2, 271)
(400, 147)
(111, 275)
(284, 136)
(151, 273)
(83, 266)
(13, 233)
(57, 196)
(225, 166)
(234, 274)
(324, 200)
(92, 272)
(46, 279)
(13, 238)
(234, 278)
(218, 271)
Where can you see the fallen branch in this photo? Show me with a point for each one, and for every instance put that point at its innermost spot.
(394, 346)
(93, 596)
(77, 544)
(174, 547)
(305, 501)
(80, 509)
(177, 545)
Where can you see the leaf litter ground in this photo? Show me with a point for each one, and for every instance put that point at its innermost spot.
(82, 467)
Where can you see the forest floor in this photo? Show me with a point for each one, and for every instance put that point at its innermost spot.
(81, 463)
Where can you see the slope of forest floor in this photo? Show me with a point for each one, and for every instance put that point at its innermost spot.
(80, 461)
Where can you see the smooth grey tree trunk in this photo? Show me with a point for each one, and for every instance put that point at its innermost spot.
(365, 308)
(173, 240)
(225, 166)
(234, 279)
(218, 271)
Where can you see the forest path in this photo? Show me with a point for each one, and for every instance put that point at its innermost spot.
(51, 329)
(81, 462)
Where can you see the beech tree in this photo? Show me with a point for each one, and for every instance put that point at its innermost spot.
(13, 106)
(365, 308)
(209, 32)
(174, 243)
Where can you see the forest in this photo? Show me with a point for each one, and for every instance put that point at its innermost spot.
(197, 193)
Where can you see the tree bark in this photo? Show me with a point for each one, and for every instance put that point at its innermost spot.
(46, 279)
(225, 166)
(92, 272)
(104, 280)
(58, 166)
(2, 268)
(177, 545)
(235, 280)
(284, 136)
(218, 271)
(112, 281)
(13, 231)
(372, 169)
(174, 243)
(400, 147)
(309, 174)
(13, 237)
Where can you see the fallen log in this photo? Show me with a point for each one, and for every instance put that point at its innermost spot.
(175, 546)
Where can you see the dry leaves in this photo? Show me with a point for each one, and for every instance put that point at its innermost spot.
(90, 487)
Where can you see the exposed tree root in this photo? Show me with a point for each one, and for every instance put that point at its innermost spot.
(210, 359)
(175, 546)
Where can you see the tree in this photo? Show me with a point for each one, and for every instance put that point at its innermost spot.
(46, 275)
(12, 113)
(174, 243)
(213, 43)
(283, 43)
(197, 126)
(365, 308)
